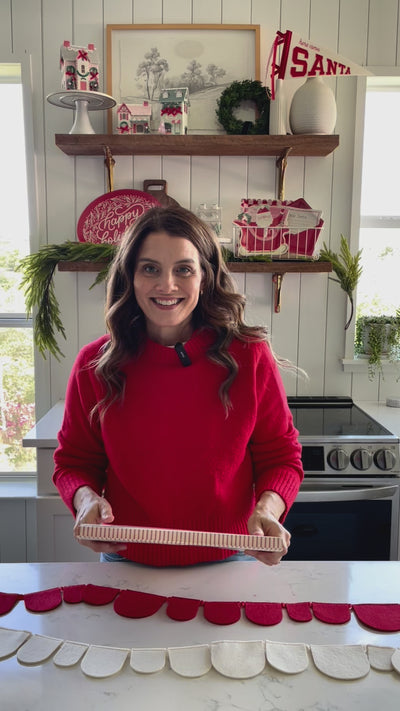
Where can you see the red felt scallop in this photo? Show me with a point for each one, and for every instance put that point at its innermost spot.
(264, 613)
(98, 594)
(383, 617)
(73, 593)
(7, 601)
(299, 611)
(182, 609)
(133, 603)
(222, 613)
(331, 612)
(44, 600)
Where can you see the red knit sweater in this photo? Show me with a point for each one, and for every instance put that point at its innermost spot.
(168, 456)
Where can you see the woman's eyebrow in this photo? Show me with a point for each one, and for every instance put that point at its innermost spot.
(179, 261)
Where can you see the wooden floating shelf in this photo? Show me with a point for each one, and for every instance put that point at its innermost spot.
(278, 267)
(201, 145)
(281, 267)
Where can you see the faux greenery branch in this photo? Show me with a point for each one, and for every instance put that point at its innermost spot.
(347, 268)
(38, 286)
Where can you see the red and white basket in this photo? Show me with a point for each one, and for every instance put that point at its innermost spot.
(280, 229)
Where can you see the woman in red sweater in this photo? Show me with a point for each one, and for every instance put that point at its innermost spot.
(178, 418)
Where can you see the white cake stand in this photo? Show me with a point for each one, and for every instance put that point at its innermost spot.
(82, 102)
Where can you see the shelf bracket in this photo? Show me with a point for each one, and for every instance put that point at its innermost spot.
(281, 164)
(277, 281)
(109, 163)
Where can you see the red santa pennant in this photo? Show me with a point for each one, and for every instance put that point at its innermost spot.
(292, 57)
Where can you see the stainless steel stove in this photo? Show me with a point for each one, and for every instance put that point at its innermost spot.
(348, 507)
(340, 439)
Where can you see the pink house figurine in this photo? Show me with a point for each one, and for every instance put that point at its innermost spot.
(133, 118)
(174, 110)
(79, 67)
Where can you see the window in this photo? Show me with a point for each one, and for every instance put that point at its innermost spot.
(17, 396)
(378, 291)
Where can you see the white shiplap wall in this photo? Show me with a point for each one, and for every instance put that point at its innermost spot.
(309, 330)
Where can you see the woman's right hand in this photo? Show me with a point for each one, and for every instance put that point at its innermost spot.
(92, 508)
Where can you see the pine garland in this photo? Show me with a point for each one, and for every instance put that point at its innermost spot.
(38, 285)
(233, 96)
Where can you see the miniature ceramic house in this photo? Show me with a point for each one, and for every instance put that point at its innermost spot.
(133, 118)
(79, 67)
(174, 110)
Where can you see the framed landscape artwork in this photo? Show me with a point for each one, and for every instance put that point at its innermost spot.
(143, 60)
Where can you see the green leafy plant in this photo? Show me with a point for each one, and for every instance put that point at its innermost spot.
(347, 268)
(378, 337)
(38, 286)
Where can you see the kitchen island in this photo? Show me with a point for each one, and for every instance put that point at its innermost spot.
(46, 686)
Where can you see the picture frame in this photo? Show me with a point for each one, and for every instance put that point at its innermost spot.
(144, 59)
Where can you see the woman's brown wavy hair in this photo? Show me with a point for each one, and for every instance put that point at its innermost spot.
(219, 307)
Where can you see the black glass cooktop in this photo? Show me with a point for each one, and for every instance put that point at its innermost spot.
(333, 417)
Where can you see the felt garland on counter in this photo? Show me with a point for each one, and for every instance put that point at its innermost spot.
(384, 617)
(233, 659)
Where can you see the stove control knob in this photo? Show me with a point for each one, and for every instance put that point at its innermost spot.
(338, 459)
(384, 459)
(361, 459)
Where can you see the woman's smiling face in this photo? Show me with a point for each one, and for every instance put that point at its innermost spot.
(167, 283)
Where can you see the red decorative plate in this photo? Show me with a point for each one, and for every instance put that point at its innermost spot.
(107, 218)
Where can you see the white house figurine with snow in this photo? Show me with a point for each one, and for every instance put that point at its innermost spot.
(174, 110)
(133, 118)
(79, 67)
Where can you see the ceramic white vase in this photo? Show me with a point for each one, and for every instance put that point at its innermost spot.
(313, 108)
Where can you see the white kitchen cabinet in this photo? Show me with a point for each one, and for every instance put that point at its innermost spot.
(54, 522)
(55, 541)
(14, 532)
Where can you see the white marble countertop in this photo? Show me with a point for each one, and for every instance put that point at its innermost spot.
(44, 433)
(389, 417)
(47, 687)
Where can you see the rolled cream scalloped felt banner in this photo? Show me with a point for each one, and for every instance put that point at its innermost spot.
(235, 659)
(384, 617)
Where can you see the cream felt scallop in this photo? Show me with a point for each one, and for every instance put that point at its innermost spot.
(38, 649)
(380, 658)
(238, 660)
(190, 661)
(70, 653)
(11, 641)
(100, 662)
(396, 660)
(286, 657)
(147, 661)
(341, 661)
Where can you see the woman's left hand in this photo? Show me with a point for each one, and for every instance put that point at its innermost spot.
(264, 521)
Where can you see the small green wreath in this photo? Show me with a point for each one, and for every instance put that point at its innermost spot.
(233, 96)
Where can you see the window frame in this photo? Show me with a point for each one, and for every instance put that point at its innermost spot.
(350, 363)
(20, 320)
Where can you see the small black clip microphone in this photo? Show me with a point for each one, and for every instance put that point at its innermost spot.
(182, 355)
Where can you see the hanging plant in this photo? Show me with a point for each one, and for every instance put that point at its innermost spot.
(378, 337)
(347, 268)
(38, 286)
(233, 96)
